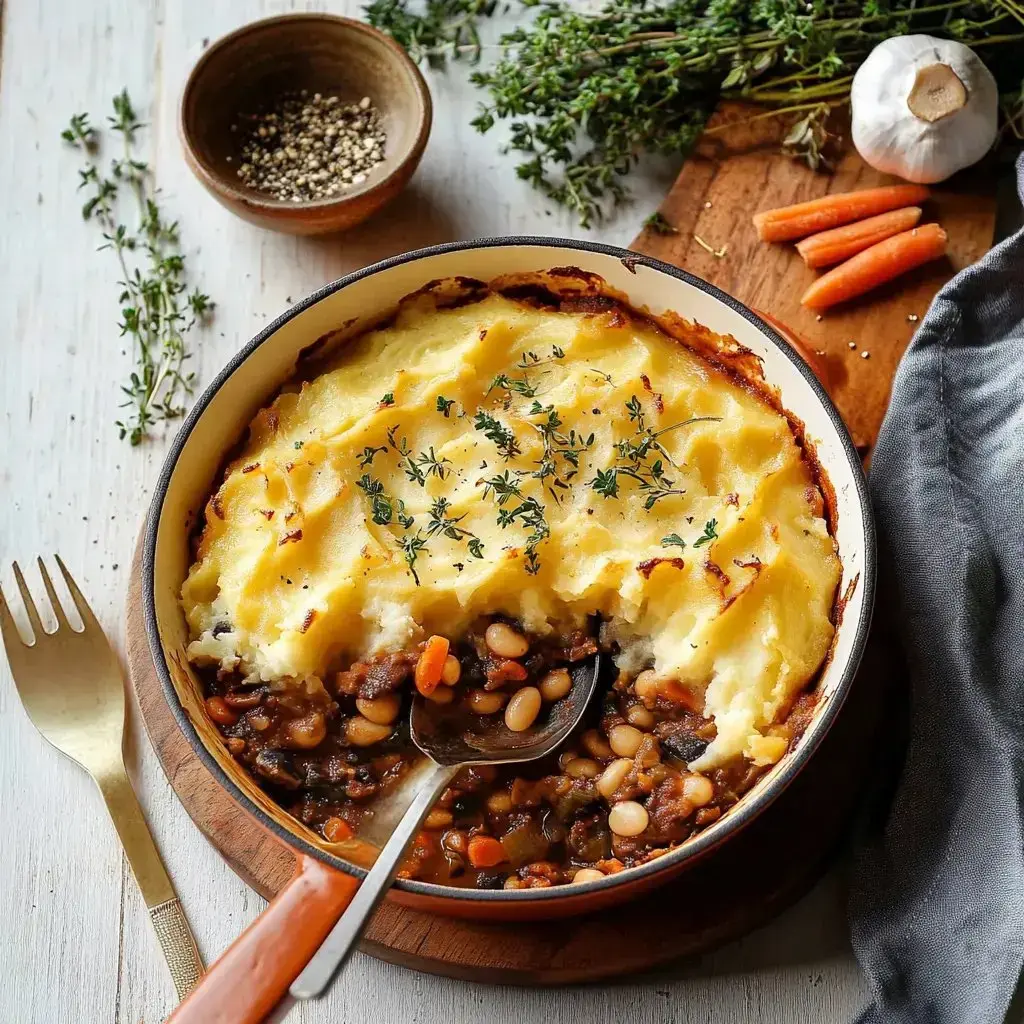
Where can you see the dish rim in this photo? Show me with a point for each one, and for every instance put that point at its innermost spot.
(746, 810)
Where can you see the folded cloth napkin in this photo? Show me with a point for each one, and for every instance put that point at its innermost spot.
(937, 901)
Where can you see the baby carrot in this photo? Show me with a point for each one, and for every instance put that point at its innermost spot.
(485, 852)
(828, 247)
(791, 222)
(431, 665)
(875, 266)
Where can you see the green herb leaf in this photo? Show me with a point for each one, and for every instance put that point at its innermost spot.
(366, 459)
(494, 430)
(673, 540)
(388, 399)
(380, 503)
(606, 483)
(445, 405)
(708, 535)
(157, 311)
(659, 225)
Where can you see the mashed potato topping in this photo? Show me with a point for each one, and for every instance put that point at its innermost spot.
(549, 465)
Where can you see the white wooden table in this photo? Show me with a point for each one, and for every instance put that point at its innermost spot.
(75, 938)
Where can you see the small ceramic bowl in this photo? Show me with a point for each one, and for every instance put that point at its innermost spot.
(246, 71)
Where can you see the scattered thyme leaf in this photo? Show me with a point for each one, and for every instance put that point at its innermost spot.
(673, 540)
(412, 544)
(709, 534)
(445, 405)
(366, 459)
(388, 399)
(406, 460)
(659, 225)
(606, 483)
(431, 465)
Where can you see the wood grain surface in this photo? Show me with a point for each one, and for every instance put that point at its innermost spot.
(739, 170)
(738, 887)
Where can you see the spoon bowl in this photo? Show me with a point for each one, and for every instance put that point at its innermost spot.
(449, 748)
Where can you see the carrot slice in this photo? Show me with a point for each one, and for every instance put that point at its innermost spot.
(485, 852)
(828, 247)
(791, 222)
(875, 266)
(431, 664)
(337, 830)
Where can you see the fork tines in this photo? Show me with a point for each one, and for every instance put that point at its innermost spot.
(8, 627)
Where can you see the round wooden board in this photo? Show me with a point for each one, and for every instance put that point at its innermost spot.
(740, 886)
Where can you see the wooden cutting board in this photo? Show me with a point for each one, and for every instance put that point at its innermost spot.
(739, 170)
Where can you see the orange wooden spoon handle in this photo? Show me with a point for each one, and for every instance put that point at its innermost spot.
(815, 361)
(254, 973)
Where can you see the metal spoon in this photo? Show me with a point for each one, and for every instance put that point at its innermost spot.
(448, 750)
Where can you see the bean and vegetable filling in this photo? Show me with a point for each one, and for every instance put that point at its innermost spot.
(617, 795)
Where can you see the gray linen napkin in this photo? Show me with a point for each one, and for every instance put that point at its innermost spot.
(937, 901)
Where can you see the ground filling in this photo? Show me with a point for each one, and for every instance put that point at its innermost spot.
(617, 795)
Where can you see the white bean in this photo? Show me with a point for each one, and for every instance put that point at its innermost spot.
(698, 789)
(452, 671)
(523, 709)
(596, 744)
(588, 875)
(556, 684)
(485, 702)
(361, 732)
(381, 710)
(628, 818)
(441, 695)
(612, 777)
(504, 641)
(646, 687)
(625, 740)
(639, 716)
(582, 768)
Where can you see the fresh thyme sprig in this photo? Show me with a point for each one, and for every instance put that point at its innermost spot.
(445, 29)
(513, 385)
(494, 430)
(586, 92)
(633, 454)
(157, 310)
(557, 446)
(529, 512)
(380, 504)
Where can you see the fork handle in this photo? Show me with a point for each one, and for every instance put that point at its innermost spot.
(165, 912)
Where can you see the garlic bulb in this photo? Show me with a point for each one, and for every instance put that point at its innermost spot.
(923, 108)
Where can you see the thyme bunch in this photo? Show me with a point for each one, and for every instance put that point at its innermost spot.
(585, 93)
(157, 309)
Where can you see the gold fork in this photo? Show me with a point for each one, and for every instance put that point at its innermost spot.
(70, 684)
